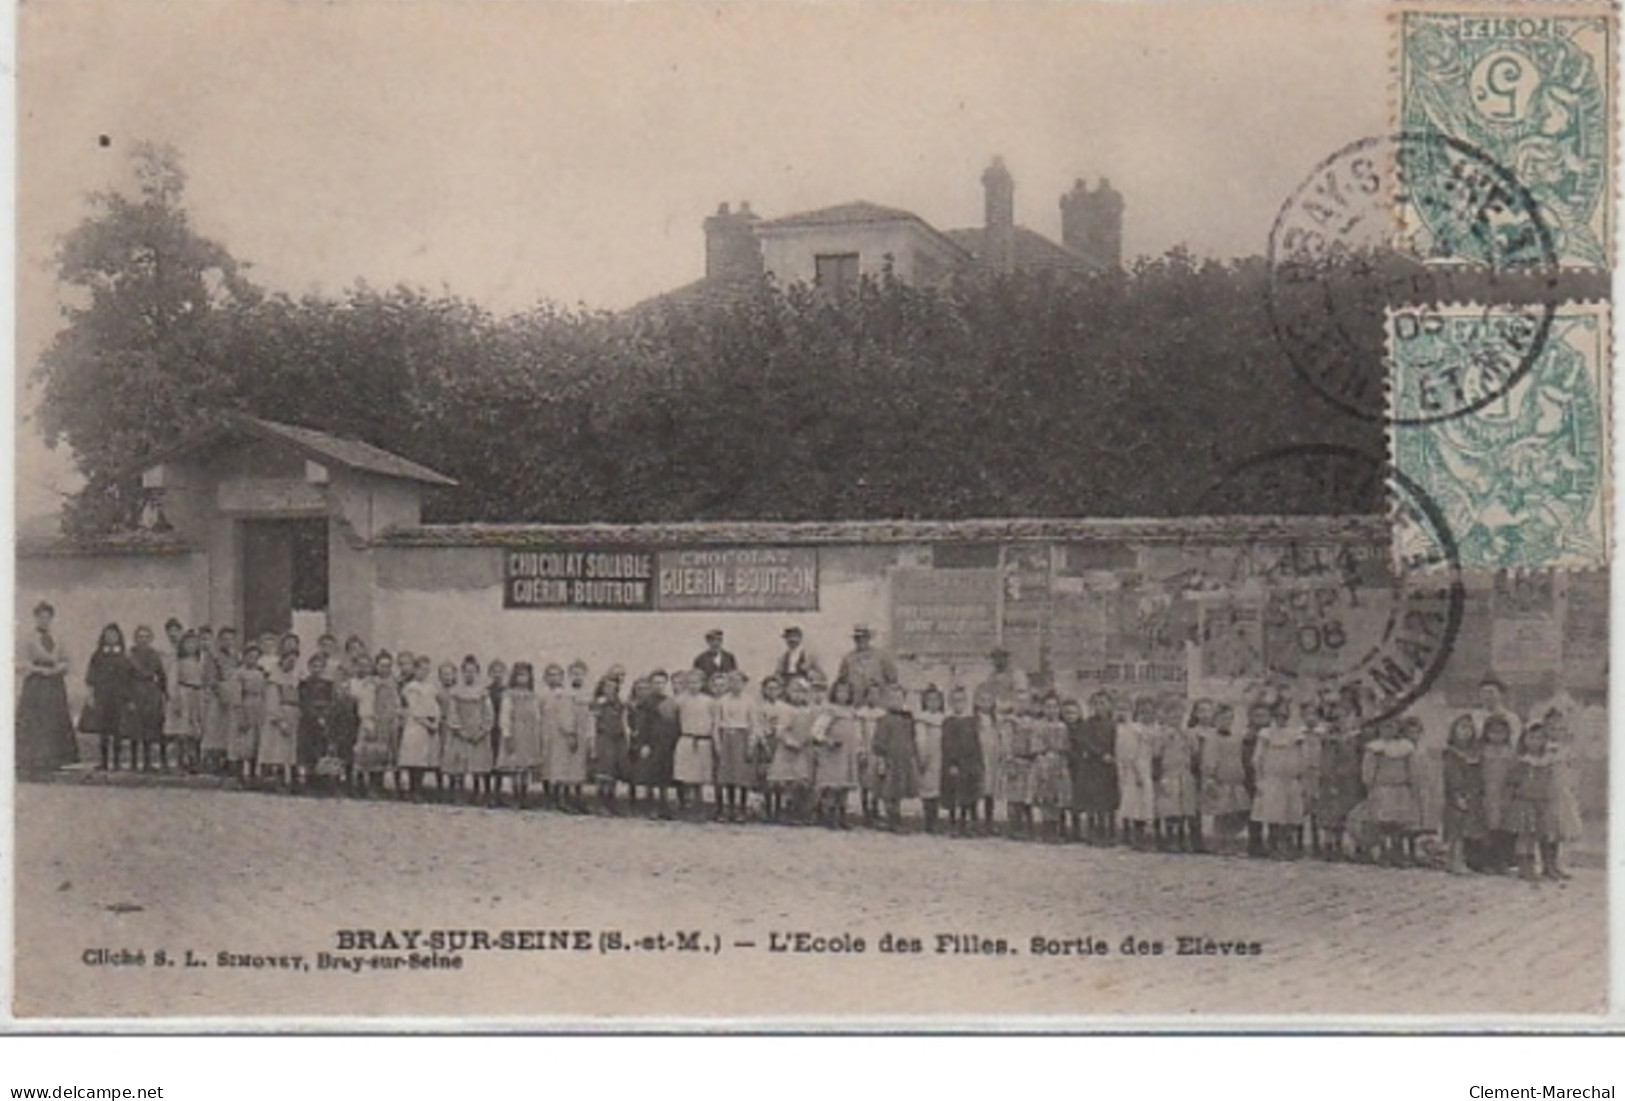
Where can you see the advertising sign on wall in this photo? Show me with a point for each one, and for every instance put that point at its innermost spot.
(592, 578)
(738, 579)
(631, 579)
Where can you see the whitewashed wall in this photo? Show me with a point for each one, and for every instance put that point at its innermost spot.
(448, 602)
(90, 591)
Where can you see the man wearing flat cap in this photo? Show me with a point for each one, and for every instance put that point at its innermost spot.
(1005, 683)
(714, 659)
(797, 660)
(867, 665)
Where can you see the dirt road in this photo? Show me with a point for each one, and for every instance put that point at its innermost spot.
(267, 878)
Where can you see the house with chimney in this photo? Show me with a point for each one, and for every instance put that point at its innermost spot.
(835, 247)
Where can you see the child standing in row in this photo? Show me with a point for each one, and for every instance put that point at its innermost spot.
(608, 759)
(928, 748)
(694, 765)
(1134, 750)
(787, 775)
(1534, 811)
(737, 718)
(520, 720)
(1389, 773)
(243, 744)
(1463, 794)
(420, 735)
(1051, 785)
(467, 751)
(990, 733)
(279, 738)
(189, 679)
(371, 758)
(961, 763)
(314, 749)
(1497, 757)
(564, 751)
(1174, 762)
(1223, 765)
(1339, 783)
(869, 714)
(1016, 745)
(836, 737)
(1282, 765)
(896, 765)
(1093, 767)
(108, 676)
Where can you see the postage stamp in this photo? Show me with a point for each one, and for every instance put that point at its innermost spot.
(1522, 479)
(1533, 91)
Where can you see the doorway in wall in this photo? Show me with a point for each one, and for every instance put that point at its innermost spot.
(284, 576)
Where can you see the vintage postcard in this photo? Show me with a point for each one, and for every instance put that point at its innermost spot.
(813, 515)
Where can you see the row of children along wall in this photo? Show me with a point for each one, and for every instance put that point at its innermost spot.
(1151, 772)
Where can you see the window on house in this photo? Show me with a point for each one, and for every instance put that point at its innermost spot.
(837, 273)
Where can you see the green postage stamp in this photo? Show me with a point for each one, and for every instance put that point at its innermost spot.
(1531, 89)
(1513, 449)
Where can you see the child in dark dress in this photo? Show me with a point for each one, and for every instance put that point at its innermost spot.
(1094, 773)
(498, 672)
(148, 685)
(1497, 756)
(896, 761)
(1463, 794)
(317, 754)
(655, 733)
(109, 677)
(961, 763)
(607, 759)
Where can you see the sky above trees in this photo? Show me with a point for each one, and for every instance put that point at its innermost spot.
(516, 152)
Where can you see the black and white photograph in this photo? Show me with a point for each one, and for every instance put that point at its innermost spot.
(813, 516)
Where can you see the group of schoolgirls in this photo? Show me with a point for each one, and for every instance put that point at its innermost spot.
(1510, 790)
(1150, 773)
(195, 696)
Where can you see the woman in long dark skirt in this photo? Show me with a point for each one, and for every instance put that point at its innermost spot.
(44, 725)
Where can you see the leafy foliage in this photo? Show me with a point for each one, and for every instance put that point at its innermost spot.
(996, 395)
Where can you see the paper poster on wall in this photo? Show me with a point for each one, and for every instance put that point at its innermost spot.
(944, 613)
(1525, 632)
(1231, 639)
(1025, 585)
(1585, 632)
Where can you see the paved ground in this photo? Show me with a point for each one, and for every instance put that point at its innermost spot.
(145, 868)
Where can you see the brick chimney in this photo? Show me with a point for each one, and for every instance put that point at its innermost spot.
(999, 234)
(731, 248)
(1092, 224)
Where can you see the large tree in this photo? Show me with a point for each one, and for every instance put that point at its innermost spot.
(137, 362)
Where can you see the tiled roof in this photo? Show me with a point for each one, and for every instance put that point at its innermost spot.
(1033, 251)
(354, 454)
(842, 214)
(318, 446)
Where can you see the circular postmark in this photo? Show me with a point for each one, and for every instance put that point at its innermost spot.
(1381, 232)
(1368, 616)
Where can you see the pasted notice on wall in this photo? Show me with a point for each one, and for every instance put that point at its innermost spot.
(945, 613)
